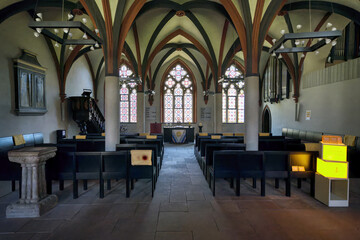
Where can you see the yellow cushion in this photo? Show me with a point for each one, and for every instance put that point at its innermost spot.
(228, 134)
(203, 134)
(141, 157)
(264, 134)
(349, 140)
(103, 134)
(80, 137)
(239, 134)
(151, 137)
(311, 147)
(215, 137)
(19, 140)
(144, 134)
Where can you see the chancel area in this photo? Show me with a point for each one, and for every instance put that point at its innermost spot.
(179, 119)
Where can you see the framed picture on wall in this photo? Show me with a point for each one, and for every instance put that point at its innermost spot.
(29, 85)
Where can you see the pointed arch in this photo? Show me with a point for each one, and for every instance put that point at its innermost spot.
(266, 119)
(128, 94)
(233, 96)
(187, 36)
(127, 23)
(238, 23)
(194, 85)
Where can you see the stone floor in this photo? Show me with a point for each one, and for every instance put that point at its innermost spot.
(183, 208)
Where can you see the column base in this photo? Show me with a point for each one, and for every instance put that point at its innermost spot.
(31, 210)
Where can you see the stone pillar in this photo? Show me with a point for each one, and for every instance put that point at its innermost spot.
(34, 201)
(214, 113)
(63, 110)
(141, 124)
(112, 112)
(218, 112)
(252, 113)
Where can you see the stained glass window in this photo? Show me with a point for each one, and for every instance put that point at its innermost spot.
(233, 98)
(178, 96)
(128, 98)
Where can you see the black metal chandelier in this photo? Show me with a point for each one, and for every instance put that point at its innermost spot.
(323, 37)
(298, 39)
(89, 37)
(229, 80)
(130, 80)
(208, 93)
(150, 92)
(51, 29)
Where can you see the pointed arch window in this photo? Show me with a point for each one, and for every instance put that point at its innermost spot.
(178, 95)
(128, 97)
(233, 97)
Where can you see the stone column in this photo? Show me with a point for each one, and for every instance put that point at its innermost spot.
(214, 113)
(34, 200)
(141, 125)
(218, 112)
(252, 112)
(112, 112)
(63, 110)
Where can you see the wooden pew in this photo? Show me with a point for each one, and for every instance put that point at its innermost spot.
(207, 161)
(237, 164)
(140, 172)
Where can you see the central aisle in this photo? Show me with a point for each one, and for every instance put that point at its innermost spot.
(183, 208)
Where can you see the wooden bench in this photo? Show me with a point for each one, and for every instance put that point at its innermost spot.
(275, 164)
(237, 164)
(140, 172)
(207, 161)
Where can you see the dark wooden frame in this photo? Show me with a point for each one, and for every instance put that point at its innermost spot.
(27, 65)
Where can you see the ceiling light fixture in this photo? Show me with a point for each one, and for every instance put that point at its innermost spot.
(150, 92)
(130, 79)
(43, 27)
(208, 93)
(324, 38)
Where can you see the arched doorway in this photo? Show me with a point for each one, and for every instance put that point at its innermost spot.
(266, 120)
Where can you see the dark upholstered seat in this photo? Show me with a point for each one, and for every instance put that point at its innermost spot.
(86, 166)
(207, 161)
(115, 165)
(140, 172)
(237, 164)
(277, 166)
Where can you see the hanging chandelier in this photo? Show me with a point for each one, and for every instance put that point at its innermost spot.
(229, 80)
(52, 29)
(323, 38)
(208, 93)
(150, 92)
(130, 80)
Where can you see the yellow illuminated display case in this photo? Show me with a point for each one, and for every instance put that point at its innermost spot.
(331, 179)
(332, 169)
(333, 152)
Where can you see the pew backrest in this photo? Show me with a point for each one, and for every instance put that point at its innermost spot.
(276, 160)
(114, 163)
(211, 148)
(38, 138)
(204, 142)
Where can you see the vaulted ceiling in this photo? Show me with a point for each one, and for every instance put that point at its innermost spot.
(208, 34)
